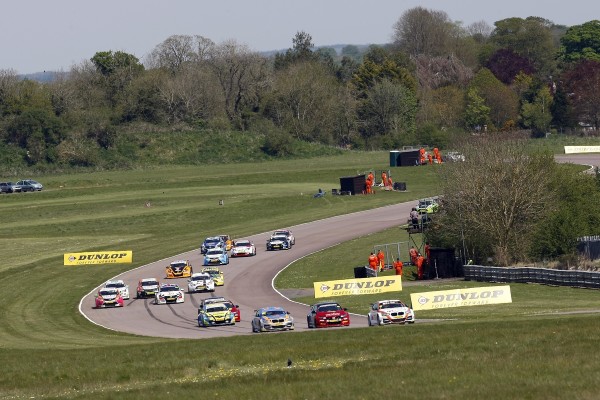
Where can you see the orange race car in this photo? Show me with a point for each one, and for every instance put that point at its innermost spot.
(179, 269)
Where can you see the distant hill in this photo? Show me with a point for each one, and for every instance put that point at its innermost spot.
(46, 76)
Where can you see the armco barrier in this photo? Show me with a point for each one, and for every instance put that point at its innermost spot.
(555, 277)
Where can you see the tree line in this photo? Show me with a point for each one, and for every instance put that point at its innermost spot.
(436, 78)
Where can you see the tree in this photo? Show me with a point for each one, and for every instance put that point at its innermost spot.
(118, 70)
(505, 64)
(582, 82)
(494, 198)
(581, 42)
(301, 51)
(477, 114)
(502, 101)
(422, 31)
(537, 115)
(177, 50)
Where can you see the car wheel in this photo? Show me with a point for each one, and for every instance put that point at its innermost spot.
(308, 323)
(369, 320)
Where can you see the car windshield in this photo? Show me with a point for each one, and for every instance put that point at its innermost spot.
(214, 252)
(149, 283)
(391, 305)
(242, 243)
(216, 308)
(329, 307)
(213, 273)
(212, 241)
(178, 264)
(169, 288)
(280, 237)
(115, 285)
(106, 292)
(273, 313)
(200, 277)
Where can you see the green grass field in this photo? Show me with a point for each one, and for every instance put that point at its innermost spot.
(542, 346)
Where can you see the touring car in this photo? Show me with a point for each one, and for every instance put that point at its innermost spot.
(279, 242)
(109, 297)
(243, 248)
(216, 274)
(200, 282)
(287, 233)
(326, 314)
(215, 314)
(211, 242)
(227, 240)
(385, 312)
(169, 293)
(120, 286)
(272, 319)
(429, 205)
(147, 287)
(235, 309)
(216, 256)
(179, 269)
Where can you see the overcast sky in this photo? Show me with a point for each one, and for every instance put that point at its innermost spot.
(53, 35)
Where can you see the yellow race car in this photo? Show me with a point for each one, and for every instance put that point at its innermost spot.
(179, 269)
(228, 242)
(216, 274)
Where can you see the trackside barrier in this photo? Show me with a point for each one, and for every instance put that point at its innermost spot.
(546, 276)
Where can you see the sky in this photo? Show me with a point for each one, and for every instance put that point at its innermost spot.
(38, 36)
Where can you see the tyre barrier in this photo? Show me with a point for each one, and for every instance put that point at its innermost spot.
(546, 276)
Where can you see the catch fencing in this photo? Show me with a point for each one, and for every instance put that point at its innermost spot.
(555, 277)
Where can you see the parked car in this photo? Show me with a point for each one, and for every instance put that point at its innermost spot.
(272, 319)
(29, 185)
(385, 312)
(9, 187)
(326, 314)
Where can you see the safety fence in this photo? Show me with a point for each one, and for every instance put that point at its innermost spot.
(556, 277)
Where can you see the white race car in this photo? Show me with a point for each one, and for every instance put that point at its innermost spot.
(119, 285)
(287, 233)
(201, 281)
(242, 248)
(169, 293)
(385, 312)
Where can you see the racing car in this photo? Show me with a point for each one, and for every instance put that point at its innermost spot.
(169, 293)
(227, 240)
(216, 274)
(211, 242)
(215, 314)
(235, 309)
(285, 232)
(243, 248)
(199, 282)
(326, 314)
(179, 269)
(120, 286)
(385, 312)
(216, 256)
(279, 242)
(272, 319)
(109, 297)
(147, 287)
(429, 205)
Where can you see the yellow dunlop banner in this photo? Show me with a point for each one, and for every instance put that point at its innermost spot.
(461, 297)
(358, 286)
(99, 257)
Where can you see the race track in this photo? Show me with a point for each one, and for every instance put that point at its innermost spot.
(248, 281)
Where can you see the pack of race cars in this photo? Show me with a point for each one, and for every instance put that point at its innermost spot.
(215, 311)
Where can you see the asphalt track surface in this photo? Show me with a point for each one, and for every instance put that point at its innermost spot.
(249, 280)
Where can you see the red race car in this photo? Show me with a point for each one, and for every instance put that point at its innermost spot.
(326, 314)
(109, 297)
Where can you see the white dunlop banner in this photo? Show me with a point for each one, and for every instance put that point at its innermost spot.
(461, 298)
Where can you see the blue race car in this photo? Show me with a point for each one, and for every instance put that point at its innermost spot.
(216, 256)
(211, 243)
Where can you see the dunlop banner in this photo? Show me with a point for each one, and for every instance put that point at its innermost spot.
(358, 286)
(99, 257)
(461, 297)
